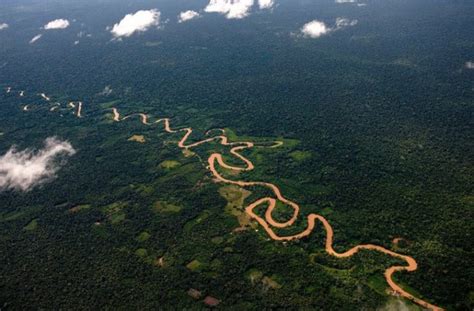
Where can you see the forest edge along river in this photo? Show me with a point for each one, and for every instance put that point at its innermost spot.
(267, 222)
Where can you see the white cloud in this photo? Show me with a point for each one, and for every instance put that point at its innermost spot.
(236, 9)
(106, 91)
(3, 26)
(266, 4)
(351, 1)
(342, 22)
(140, 21)
(23, 170)
(469, 65)
(315, 29)
(35, 38)
(232, 9)
(57, 24)
(187, 15)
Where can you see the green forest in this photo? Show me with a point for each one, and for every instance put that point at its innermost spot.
(375, 125)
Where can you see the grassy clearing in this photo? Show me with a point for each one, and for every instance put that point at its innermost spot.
(108, 104)
(199, 219)
(187, 153)
(11, 216)
(137, 138)
(255, 276)
(79, 208)
(194, 265)
(235, 197)
(270, 282)
(217, 240)
(24, 212)
(144, 189)
(397, 303)
(142, 237)
(117, 218)
(468, 200)
(408, 288)
(165, 207)
(32, 225)
(378, 283)
(115, 212)
(300, 155)
(169, 164)
(141, 252)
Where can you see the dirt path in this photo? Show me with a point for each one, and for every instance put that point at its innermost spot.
(57, 106)
(268, 221)
(45, 97)
(79, 108)
(276, 144)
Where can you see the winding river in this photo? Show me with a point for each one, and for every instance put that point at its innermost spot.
(216, 161)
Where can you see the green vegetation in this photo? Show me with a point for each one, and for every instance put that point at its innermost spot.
(194, 265)
(376, 129)
(11, 216)
(137, 138)
(255, 276)
(217, 240)
(109, 105)
(377, 282)
(165, 207)
(115, 212)
(299, 155)
(235, 197)
(79, 208)
(270, 283)
(169, 164)
(117, 218)
(143, 236)
(141, 252)
(32, 225)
